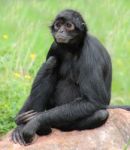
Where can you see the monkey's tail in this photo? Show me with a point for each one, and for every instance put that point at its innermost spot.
(118, 106)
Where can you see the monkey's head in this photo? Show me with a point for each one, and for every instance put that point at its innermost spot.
(68, 27)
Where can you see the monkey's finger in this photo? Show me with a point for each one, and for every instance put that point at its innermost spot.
(25, 113)
(20, 119)
(28, 119)
(17, 137)
(23, 118)
(28, 115)
(14, 139)
(21, 140)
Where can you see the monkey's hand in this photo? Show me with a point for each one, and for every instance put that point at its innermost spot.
(16, 135)
(29, 130)
(51, 62)
(25, 117)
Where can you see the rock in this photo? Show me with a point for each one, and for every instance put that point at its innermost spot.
(113, 135)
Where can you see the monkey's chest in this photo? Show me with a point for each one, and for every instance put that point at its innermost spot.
(67, 88)
(69, 69)
(65, 92)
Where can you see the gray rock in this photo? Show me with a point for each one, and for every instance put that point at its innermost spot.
(113, 135)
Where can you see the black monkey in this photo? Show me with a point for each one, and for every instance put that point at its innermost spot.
(72, 89)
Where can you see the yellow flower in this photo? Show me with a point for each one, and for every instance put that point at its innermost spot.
(27, 77)
(5, 36)
(17, 75)
(33, 56)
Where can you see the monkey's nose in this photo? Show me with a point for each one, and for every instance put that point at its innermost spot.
(61, 31)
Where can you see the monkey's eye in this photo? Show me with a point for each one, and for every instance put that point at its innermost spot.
(69, 26)
(57, 25)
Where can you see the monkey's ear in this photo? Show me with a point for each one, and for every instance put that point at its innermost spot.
(80, 25)
(84, 26)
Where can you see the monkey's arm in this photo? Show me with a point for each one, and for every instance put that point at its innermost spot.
(42, 87)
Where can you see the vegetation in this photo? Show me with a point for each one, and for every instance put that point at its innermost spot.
(25, 39)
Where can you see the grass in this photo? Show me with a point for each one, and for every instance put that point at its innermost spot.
(25, 39)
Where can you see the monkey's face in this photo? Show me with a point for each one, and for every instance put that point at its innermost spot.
(64, 31)
(68, 28)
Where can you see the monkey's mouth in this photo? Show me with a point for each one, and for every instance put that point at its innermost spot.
(62, 39)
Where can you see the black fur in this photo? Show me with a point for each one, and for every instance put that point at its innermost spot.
(72, 88)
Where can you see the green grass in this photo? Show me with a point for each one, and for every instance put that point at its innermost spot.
(24, 32)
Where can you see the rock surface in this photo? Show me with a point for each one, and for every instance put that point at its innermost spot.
(113, 135)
